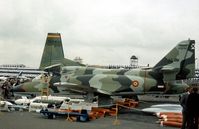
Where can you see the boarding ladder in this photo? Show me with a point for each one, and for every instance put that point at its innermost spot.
(44, 92)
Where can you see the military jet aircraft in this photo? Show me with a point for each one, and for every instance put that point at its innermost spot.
(178, 64)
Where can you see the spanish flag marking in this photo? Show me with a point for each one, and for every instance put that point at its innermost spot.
(54, 36)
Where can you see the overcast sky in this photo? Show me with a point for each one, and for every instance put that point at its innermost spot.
(99, 31)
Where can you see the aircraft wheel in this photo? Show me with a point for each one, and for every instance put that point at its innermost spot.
(135, 97)
(51, 116)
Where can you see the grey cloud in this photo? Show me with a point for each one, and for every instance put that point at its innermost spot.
(100, 31)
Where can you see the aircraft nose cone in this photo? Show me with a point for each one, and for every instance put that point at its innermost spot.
(18, 88)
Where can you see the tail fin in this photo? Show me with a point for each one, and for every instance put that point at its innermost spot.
(179, 63)
(53, 52)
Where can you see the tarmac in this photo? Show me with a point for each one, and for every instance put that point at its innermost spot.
(126, 120)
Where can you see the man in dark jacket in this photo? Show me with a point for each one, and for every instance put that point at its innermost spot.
(185, 114)
(193, 107)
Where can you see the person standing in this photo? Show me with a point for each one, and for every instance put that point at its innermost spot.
(193, 107)
(5, 89)
(185, 114)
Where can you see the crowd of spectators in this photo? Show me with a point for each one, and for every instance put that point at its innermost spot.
(7, 85)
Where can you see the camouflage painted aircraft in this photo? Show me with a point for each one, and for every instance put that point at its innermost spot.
(52, 59)
(178, 64)
(36, 85)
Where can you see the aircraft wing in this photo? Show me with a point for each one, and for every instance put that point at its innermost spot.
(168, 68)
(53, 68)
(64, 84)
(71, 87)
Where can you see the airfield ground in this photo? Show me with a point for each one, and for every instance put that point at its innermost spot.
(127, 120)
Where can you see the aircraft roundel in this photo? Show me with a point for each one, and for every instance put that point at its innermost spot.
(135, 83)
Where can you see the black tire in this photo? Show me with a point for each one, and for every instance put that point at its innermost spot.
(51, 116)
